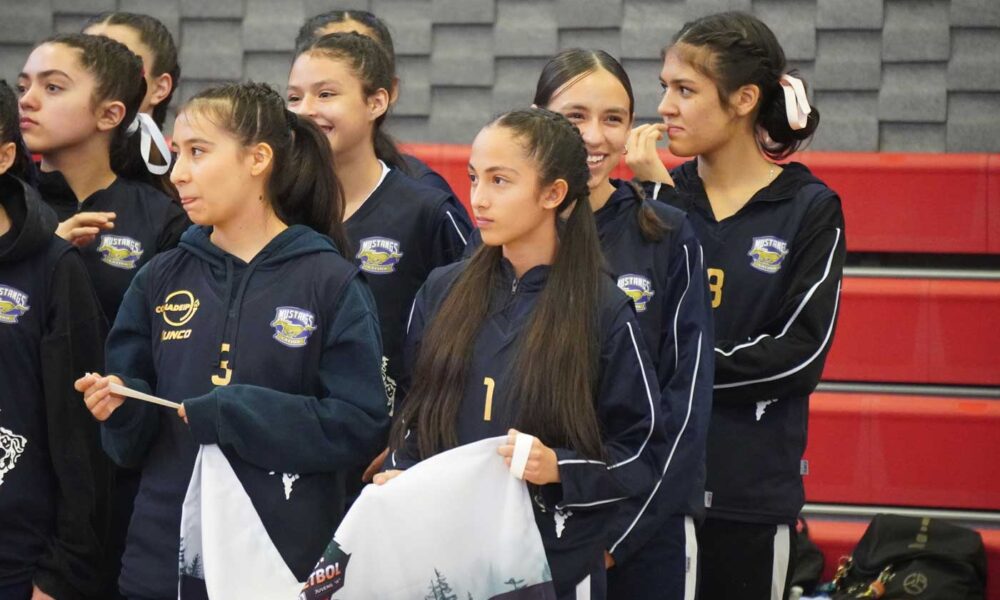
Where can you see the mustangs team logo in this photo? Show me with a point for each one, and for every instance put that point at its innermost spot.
(293, 326)
(638, 288)
(120, 251)
(13, 304)
(379, 255)
(768, 253)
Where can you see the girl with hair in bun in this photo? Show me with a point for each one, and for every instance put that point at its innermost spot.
(267, 337)
(773, 236)
(530, 335)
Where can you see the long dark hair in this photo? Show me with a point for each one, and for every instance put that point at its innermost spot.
(375, 65)
(312, 29)
(736, 49)
(155, 35)
(10, 131)
(574, 64)
(555, 371)
(303, 187)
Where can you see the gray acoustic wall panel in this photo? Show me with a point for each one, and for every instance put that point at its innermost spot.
(892, 75)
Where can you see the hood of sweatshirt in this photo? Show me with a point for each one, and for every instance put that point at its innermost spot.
(784, 187)
(33, 223)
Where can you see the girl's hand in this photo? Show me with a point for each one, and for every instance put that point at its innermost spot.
(381, 478)
(182, 413)
(375, 467)
(37, 594)
(642, 157)
(609, 561)
(81, 229)
(542, 466)
(97, 394)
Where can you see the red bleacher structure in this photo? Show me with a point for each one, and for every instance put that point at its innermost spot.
(916, 450)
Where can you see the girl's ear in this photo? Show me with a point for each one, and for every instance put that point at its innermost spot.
(744, 100)
(162, 86)
(261, 155)
(378, 104)
(8, 152)
(110, 114)
(554, 194)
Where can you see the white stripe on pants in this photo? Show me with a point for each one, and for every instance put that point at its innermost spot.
(691, 554)
(779, 571)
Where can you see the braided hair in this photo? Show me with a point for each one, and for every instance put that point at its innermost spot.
(554, 376)
(736, 49)
(303, 188)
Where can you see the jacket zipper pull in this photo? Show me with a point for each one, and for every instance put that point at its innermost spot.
(513, 287)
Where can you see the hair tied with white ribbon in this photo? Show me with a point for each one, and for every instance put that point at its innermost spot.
(150, 133)
(797, 107)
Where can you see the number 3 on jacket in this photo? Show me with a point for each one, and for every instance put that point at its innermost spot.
(716, 277)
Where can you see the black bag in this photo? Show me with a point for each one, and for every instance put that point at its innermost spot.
(914, 558)
(809, 561)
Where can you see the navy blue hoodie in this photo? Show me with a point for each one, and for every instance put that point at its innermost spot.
(402, 232)
(276, 361)
(420, 171)
(666, 281)
(774, 273)
(54, 479)
(625, 398)
(146, 222)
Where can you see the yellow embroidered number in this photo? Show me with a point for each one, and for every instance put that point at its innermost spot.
(227, 373)
(488, 411)
(716, 277)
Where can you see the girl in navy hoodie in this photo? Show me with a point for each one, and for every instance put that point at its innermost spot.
(259, 326)
(54, 479)
(530, 334)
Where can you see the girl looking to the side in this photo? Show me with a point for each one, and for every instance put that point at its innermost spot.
(774, 247)
(367, 24)
(79, 95)
(54, 479)
(399, 229)
(530, 334)
(262, 330)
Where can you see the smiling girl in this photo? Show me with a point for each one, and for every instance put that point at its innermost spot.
(266, 334)
(399, 229)
(655, 257)
(530, 334)
(79, 96)
(774, 247)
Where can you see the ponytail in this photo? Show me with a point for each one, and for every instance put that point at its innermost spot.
(742, 50)
(308, 175)
(303, 188)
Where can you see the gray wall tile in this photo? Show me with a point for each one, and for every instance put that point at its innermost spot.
(913, 92)
(848, 14)
(526, 28)
(793, 23)
(410, 24)
(972, 122)
(848, 60)
(849, 121)
(268, 25)
(609, 40)
(211, 50)
(975, 13)
(462, 55)
(911, 137)
(589, 13)
(464, 11)
(915, 30)
(975, 60)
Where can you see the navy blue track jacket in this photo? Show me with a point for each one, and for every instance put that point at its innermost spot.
(774, 274)
(147, 222)
(666, 281)
(276, 361)
(54, 479)
(422, 172)
(627, 408)
(402, 232)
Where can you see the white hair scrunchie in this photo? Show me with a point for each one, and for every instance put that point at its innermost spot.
(150, 133)
(797, 107)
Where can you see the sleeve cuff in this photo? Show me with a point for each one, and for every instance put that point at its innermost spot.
(202, 413)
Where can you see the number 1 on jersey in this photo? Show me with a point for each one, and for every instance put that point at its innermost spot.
(488, 410)
(716, 277)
